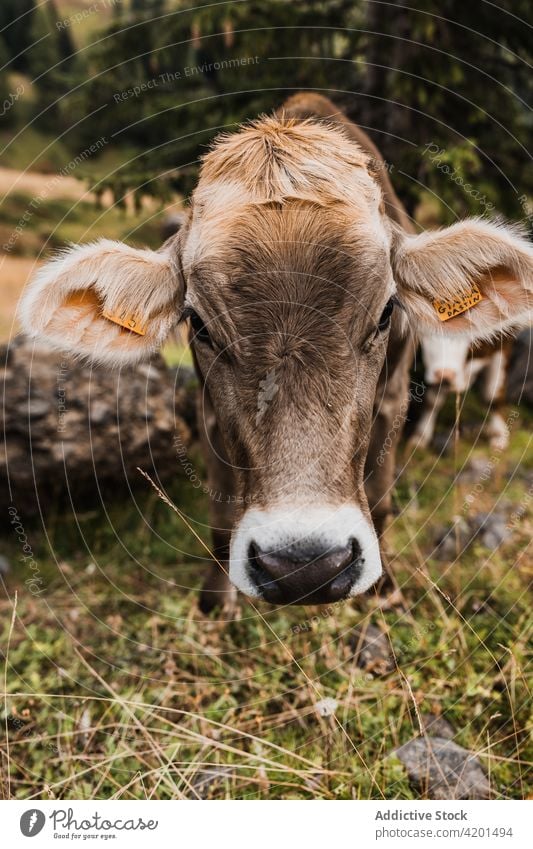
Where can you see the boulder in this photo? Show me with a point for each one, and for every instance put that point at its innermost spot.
(75, 432)
(440, 769)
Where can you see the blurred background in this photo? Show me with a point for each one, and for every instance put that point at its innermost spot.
(116, 686)
(148, 83)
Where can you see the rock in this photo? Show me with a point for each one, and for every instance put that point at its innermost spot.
(475, 470)
(441, 769)
(450, 541)
(490, 529)
(437, 726)
(81, 437)
(5, 565)
(372, 650)
(520, 371)
(206, 780)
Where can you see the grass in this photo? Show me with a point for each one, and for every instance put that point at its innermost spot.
(118, 687)
(76, 222)
(26, 148)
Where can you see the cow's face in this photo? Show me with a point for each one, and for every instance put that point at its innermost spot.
(287, 270)
(289, 327)
(445, 361)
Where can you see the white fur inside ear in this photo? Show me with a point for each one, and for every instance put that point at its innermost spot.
(65, 301)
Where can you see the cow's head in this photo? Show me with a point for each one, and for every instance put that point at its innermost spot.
(288, 269)
(445, 360)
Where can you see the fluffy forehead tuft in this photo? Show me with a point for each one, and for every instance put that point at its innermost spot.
(275, 158)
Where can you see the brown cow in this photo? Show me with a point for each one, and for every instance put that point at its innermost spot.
(289, 267)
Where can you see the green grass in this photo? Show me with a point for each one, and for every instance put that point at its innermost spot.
(25, 148)
(73, 221)
(117, 686)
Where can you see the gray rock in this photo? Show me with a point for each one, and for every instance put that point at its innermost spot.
(474, 470)
(490, 528)
(371, 649)
(85, 445)
(5, 565)
(451, 540)
(441, 769)
(437, 726)
(206, 780)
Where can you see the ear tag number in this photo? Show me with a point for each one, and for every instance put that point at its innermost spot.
(456, 306)
(129, 322)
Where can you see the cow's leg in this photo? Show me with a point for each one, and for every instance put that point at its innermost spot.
(424, 431)
(217, 591)
(493, 393)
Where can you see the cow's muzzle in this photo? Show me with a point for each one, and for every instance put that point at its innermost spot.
(312, 575)
(304, 554)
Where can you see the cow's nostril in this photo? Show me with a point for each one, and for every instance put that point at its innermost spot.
(261, 578)
(305, 573)
(342, 584)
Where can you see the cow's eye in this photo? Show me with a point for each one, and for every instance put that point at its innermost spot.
(200, 331)
(386, 316)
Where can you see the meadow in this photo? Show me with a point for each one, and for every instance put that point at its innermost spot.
(117, 687)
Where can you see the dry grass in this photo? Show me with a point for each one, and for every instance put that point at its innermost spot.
(118, 687)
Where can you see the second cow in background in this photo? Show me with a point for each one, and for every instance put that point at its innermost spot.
(452, 365)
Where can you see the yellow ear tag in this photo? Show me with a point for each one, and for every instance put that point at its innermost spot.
(449, 309)
(129, 322)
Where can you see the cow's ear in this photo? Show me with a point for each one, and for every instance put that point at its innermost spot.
(474, 278)
(106, 301)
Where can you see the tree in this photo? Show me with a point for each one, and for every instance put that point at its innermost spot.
(452, 77)
(16, 18)
(200, 70)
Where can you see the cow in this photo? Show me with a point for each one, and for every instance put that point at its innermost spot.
(453, 365)
(301, 276)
